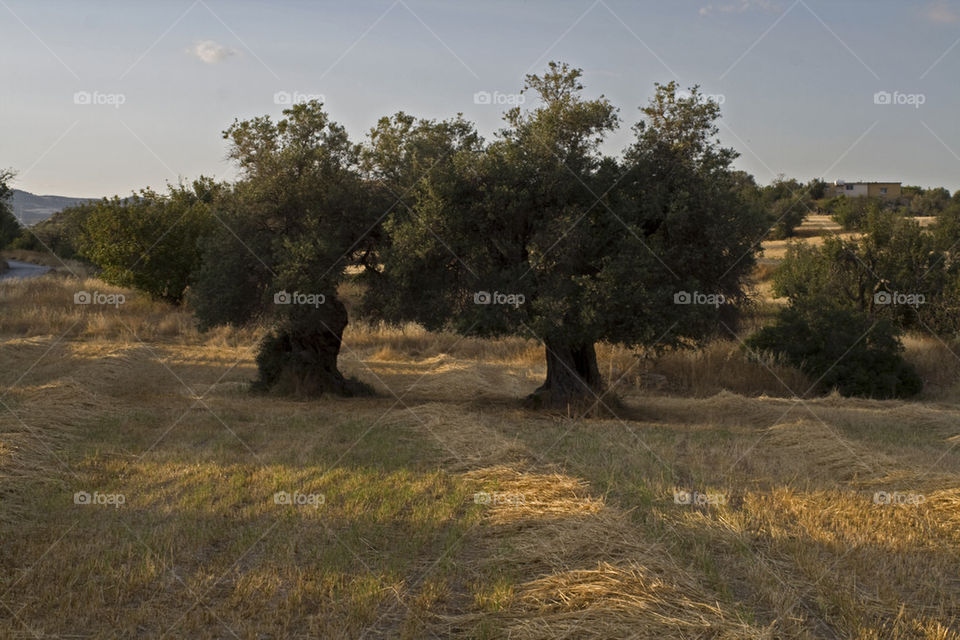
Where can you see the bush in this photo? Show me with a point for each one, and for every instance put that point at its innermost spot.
(9, 227)
(852, 213)
(59, 234)
(894, 255)
(841, 349)
(150, 241)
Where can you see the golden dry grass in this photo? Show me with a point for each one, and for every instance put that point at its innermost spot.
(449, 510)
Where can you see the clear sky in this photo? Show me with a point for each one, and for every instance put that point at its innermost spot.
(104, 97)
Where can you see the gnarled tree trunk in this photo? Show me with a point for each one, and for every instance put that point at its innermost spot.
(300, 357)
(573, 378)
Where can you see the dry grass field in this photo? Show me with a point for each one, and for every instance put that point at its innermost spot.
(144, 493)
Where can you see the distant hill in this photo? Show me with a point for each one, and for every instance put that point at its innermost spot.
(31, 209)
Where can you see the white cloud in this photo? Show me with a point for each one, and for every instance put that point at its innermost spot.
(941, 12)
(211, 52)
(740, 6)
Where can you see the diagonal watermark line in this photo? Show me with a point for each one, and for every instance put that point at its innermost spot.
(851, 147)
(42, 556)
(445, 245)
(29, 429)
(212, 209)
(757, 41)
(426, 573)
(49, 149)
(190, 408)
(576, 222)
(157, 41)
(357, 41)
(239, 39)
(193, 394)
(954, 444)
(33, 632)
(839, 39)
(600, 402)
(940, 140)
(794, 193)
(434, 34)
(606, 206)
(23, 575)
(40, 40)
(399, 200)
(399, 399)
(800, 398)
(938, 60)
(639, 39)
(42, 356)
(172, 571)
(217, 581)
(150, 149)
(562, 36)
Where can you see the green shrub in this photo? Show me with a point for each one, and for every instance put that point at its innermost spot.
(841, 349)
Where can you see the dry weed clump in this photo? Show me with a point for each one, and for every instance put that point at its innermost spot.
(586, 571)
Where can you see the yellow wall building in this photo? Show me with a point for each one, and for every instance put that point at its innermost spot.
(885, 190)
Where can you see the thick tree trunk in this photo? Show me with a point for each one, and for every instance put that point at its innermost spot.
(300, 358)
(573, 379)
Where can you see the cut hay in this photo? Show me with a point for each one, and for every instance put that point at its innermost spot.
(467, 439)
(816, 452)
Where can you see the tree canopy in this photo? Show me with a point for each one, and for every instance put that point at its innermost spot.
(540, 234)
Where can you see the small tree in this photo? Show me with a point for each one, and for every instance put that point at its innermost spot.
(787, 203)
(300, 214)
(150, 241)
(894, 270)
(841, 349)
(9, 226)
(539, 235)
(852, 213)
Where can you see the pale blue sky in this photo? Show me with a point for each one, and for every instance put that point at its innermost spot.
(798, 78)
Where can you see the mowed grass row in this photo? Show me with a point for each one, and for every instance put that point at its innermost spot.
(576, 531)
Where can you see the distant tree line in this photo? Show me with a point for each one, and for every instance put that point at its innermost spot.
(535, 233)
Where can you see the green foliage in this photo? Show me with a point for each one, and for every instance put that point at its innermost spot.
(817, 189)
(299, 215)
(786, 203)
(852, 213)
(9, 226)
(151, 242)
(930, 202)
(894, 258)
(841, 349)
(597, 246)
(58, 234)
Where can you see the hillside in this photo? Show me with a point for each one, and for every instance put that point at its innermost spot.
(30, 208)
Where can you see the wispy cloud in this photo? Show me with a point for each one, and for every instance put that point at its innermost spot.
(941, 12)
(739, 6)
(211, 52)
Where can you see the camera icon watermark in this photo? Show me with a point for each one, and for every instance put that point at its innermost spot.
(896, 497)
(312, 299)
(696, 498)
(695, 297)
(288, 98)
(498, 498)
(86, 297)
(498, 98)
(109, 499)
(915, 100)
(898, 298)
(96, 98)
(298, 499)
(512, 299)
